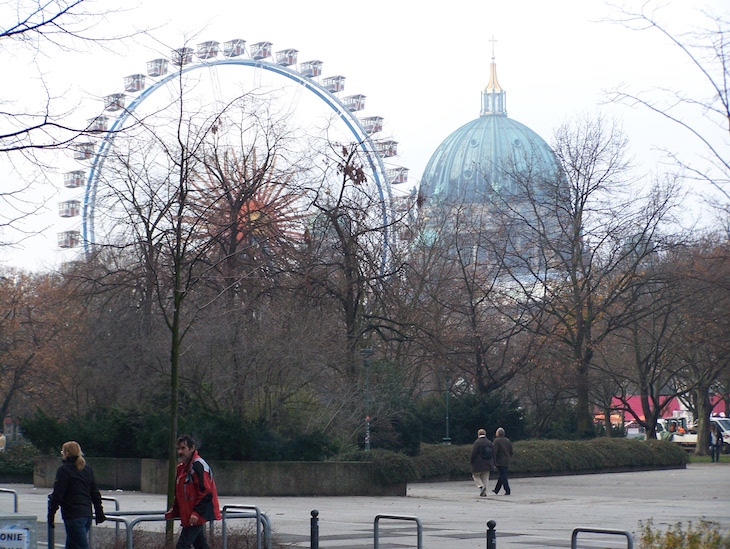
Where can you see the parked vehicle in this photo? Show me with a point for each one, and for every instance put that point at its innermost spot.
(679, 431)
(724, 424)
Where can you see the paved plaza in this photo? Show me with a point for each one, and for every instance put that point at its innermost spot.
(541, 512)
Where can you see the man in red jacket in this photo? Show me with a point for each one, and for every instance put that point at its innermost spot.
(196, 497)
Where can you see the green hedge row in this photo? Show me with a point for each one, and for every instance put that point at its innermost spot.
(531, 458)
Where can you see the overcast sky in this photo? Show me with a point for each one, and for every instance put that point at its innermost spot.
(422, 65)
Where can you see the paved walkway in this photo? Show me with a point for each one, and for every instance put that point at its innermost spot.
(540, 513)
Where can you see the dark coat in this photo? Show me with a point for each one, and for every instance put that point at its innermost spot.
(478, 463)
(502, 451)
(74, 492)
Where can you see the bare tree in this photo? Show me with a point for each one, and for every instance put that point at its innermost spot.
(581, 238)
(706, 50)
(33, 31)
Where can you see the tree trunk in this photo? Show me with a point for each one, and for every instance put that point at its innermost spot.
(702, 394)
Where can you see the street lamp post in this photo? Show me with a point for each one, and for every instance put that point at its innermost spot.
(366, 354)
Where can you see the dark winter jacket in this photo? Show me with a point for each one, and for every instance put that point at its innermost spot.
(478, 463)
(502, 451)
(74, 492)
(195, 492)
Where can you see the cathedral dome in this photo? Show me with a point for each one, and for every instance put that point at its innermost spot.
(482, 157)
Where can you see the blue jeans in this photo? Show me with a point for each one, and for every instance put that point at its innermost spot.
(77, 532)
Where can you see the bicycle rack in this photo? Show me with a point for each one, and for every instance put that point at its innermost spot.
(262, 523)
(627, 535)
(419, 528)
(15, 497)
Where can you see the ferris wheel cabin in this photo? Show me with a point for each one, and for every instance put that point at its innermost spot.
(286, 58)
(397, 175)
(114, 102)
(74, 180)
(134, 83)
(386, 148)
(261, 50)
(99, 124)
(234, 48)
(181, 56)
(334, 84)
(157, 67)
(372, 124)
(311, 69)
(69, 208)
(354, 102)
(83, 151)
(69, 239)
(207, 50)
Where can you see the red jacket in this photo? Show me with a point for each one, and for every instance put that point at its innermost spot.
(195, 493)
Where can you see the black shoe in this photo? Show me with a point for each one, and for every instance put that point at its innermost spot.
(507, 493)
(496, 492)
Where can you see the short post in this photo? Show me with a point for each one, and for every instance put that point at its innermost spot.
(491, 535)
(51, 536)
(314, 530)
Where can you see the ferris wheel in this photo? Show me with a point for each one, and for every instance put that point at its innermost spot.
(208, 60)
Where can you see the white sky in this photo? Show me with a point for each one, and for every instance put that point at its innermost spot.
(422, 66)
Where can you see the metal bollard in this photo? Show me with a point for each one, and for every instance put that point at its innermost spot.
(491, 535)
(51, 536)
(314, 530)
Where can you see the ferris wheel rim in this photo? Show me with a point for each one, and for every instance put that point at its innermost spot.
(351, 121)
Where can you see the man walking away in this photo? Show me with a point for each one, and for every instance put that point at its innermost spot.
(196, 497)
(502, 455)
(482, 461)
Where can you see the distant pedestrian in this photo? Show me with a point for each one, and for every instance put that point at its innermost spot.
(3, 441)
(196, 497)
(715, 442)
(502, 455)
(482, 461)
(75, 492)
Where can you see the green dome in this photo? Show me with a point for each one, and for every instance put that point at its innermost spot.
(482, 157)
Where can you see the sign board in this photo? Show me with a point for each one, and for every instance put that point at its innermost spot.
(14, 538)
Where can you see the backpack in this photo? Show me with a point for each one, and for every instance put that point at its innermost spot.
(487, 452)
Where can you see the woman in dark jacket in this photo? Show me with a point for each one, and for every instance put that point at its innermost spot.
(75, 492)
